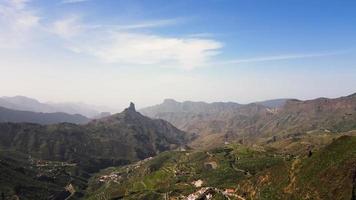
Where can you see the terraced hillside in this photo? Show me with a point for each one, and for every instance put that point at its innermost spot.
(234, 172)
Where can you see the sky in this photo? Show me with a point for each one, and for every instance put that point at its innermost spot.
(111, 52)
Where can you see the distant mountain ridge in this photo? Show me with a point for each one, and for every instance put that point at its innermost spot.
(16, 116)
(173, 106)
(290, 116)
(273, 103)
(170, 105)
(275, 151)
(336, 115)
(212, 117)
(23, 103)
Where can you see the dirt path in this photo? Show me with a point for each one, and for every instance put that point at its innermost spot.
(292, 176)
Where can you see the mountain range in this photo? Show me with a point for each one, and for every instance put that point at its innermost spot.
(279, 149)
(8, 115)
(220, 122)
(23, 103)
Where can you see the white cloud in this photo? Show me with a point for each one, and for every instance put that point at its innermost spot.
(126, 44)
(73, 25)
(16, 22)
(145, 49)
(131, 44)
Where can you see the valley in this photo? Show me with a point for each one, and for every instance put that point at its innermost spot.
(177, 100)
(298, 150)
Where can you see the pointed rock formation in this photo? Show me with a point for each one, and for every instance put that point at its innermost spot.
(132, 107)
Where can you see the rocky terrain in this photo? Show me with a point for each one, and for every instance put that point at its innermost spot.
(301, 150)
(231, 122)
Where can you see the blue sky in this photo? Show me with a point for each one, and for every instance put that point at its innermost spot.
(109, 52)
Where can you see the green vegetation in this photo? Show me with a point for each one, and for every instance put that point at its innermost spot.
(251, 173)
(173, 173)
(304, 160)
(330, 171)
(28, 178)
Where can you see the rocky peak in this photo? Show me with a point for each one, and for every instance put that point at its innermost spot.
(131, 111)
(132, 107)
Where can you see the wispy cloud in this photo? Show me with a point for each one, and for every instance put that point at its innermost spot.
(126, 44)
(279, 58)
(16, 22)
(144, 49)
(149, 24)
(72, 1)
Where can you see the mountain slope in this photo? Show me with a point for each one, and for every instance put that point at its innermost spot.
(145, 137)
(7, 115)
(25, 104)
(214, 126)
(189, 115)
(213, 122)
(172, 106)
(23, 177)
(335, 115)
(114, 140)
(234, 172)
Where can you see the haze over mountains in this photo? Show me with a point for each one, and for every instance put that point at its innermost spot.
(230, 97)
(8, 115)
(29, 104)
(80, 113)
(24, 109)
(223, 145)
